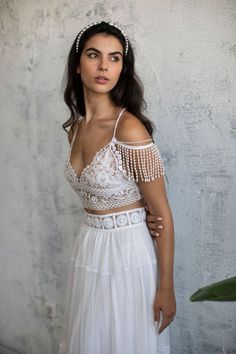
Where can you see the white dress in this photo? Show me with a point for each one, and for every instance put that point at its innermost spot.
(113, 274)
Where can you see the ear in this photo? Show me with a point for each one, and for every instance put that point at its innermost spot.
(78, 69)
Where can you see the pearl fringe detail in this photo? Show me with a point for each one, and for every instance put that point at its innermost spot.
(141, 163)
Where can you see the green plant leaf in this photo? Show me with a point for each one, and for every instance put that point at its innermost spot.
(224, 290)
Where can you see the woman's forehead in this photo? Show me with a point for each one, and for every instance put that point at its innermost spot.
(104, 41)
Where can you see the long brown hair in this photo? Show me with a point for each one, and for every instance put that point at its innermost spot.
(128, 91)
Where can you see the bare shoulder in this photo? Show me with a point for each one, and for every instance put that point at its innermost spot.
(131, 129)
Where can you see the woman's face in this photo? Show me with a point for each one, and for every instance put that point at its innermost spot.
(101, 63)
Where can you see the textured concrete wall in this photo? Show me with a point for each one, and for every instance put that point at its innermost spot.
(186, 56)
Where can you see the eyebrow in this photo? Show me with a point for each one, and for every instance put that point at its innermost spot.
(98, 51)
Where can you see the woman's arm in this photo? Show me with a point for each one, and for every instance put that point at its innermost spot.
(156, 199)
(151, 183)
(157, 202)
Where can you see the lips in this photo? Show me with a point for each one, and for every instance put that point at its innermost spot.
(101, 79)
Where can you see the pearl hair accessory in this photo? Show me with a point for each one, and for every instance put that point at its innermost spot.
(96, 23)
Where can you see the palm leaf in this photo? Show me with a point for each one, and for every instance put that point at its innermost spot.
(224, 290)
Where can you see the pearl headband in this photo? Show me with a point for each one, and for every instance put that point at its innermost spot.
(96, 23)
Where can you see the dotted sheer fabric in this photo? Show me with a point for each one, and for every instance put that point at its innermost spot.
(112, 283)
(111, 179)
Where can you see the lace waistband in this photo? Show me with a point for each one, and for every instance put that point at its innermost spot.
(115, 220)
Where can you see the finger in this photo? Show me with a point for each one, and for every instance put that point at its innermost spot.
(152, 225)
(165, 323)
(155, 224)
(157, 315)
(159, 227)
(162, 327)
(159, 319)
(154, 218)
(154, 233)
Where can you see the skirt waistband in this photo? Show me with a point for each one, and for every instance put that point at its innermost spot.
(115, 220)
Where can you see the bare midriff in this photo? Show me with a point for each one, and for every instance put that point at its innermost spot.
(140, 203)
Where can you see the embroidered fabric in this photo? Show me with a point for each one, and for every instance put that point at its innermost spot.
(111, 179)
(115, 220)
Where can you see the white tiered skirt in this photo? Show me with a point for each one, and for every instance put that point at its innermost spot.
(112, 283)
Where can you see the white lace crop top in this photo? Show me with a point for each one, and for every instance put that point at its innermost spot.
(111, 179)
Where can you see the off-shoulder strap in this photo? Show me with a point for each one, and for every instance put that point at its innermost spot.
(117, 120)
(127, 145)
(133, 142)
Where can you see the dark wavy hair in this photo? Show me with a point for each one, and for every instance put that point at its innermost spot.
(127, 93)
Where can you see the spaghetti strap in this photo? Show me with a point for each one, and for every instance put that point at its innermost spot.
(72, 142)
(117, 120)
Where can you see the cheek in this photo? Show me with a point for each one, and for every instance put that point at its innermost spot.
(86, 71)
(118, 71)
(86, 68)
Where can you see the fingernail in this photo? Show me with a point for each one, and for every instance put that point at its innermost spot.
(159, 218)
(160, 227)
(157, 234)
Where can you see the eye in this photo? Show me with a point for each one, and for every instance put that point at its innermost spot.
(92, 55)
(115, 58)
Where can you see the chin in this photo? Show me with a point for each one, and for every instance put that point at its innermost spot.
(100, 89)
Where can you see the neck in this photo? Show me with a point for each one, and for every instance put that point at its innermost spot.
(98, 106)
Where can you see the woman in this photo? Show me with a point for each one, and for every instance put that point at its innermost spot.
(120, 289)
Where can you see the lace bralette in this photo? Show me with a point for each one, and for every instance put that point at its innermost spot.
(111, 179)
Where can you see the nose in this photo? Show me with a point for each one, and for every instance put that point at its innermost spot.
(103, 65)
